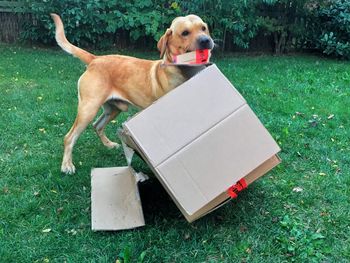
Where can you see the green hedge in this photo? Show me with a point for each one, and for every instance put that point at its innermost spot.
(299, 24)
(334, 35)
(103, 23)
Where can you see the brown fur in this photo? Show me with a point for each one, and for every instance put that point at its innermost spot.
(114, 81)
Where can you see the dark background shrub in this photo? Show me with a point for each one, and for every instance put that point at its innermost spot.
(334, 35)
(285, 25)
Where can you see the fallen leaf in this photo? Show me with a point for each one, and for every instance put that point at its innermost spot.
(36, 193)
(317, 235)
(330, 116)
(72, 231)
(298, 189)
(42, 130)
(187, 236)
(322, 174)
(47, 230)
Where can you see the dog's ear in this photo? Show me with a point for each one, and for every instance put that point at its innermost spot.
(163, 41)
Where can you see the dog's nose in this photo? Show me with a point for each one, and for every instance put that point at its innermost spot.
(204, 42)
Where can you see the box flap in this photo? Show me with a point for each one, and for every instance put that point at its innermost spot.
(184, 114)
(217, 159)
(115, 201)
(262, 169)
(224, 197)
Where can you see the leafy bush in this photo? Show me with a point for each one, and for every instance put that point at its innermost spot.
(318, 24)
(231, 22)
(334, 36)
(285, 21)
(103, 23)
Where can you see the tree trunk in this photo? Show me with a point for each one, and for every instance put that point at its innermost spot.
(280, 42)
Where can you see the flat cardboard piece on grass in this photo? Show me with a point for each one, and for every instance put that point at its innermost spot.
(200, 139)
(115, 202)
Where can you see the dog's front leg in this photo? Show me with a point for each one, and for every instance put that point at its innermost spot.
(87, 110)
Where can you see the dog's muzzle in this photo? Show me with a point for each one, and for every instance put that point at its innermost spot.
(205, 42)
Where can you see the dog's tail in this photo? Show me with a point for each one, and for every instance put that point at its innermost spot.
(62, 41)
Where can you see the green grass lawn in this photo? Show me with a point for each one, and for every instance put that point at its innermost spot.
(298, 212)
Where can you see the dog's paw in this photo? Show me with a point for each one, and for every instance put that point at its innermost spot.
(112, 145)
(68, 168)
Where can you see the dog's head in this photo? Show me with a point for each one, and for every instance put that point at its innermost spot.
(186, 34)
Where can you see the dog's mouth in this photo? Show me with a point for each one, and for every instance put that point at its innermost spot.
(202, 43)
(195, 57)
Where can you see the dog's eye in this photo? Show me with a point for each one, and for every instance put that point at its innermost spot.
(204, 28)
(185, 33)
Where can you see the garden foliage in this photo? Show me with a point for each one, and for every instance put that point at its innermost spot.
(334, 35)
(300, 24)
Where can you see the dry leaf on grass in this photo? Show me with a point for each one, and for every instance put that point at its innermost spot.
(298, 189)
(330, 116)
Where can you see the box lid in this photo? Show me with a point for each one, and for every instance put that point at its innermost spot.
(115, 201)
(179, 117)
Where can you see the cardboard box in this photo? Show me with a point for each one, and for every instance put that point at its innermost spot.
(200, 56)
(203, 143)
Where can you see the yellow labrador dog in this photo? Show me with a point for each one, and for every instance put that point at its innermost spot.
(114, 82)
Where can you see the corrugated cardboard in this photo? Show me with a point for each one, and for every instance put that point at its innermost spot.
(199, 56)
(199, 140)
(115, 201)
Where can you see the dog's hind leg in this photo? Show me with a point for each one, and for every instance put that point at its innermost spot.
(86, 112)
(110, 112)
